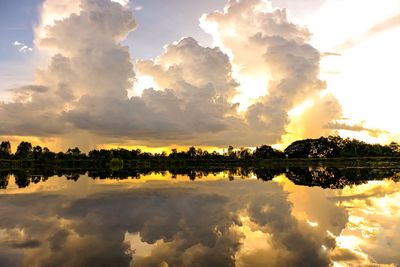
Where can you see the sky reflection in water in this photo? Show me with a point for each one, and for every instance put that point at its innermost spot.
(159, 221)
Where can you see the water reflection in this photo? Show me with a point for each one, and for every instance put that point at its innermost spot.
(349, 217)
(325, 177)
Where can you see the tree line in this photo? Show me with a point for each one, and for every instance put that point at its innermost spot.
(323, 147)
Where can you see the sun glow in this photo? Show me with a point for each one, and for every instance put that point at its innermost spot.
(251, 87)
(141, 83)
(159, 149)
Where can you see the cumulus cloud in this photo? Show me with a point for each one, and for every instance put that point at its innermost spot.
(264, 43)
(197, 86)
(92, 62)
(196, 92)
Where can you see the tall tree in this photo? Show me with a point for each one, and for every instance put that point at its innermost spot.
(5, 149)
(24, 150)
(37, 152)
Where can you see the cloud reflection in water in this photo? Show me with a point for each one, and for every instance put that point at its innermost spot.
(213, 223)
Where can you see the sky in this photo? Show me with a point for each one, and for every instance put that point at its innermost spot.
(212, 73)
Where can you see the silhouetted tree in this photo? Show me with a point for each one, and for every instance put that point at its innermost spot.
(24, 150)
(244, 153)
(4, 177)
(265, 152)
(73, 152)
(394, 147)
(5, 150)
(47, 154)
(231, 152)
(22, 179)
(37, 152)
(191, 153)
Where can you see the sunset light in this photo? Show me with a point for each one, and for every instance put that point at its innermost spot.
(211, 133)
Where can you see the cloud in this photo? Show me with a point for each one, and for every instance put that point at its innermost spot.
(385, 25)
(328, 54)
(196, 89)
(355, 128)
(92, 62)
(197, 86)
(310, 120)
(219, 223)
(264, 43)
(23, 48)
(30, 88)
(371, 226)
(121, 2)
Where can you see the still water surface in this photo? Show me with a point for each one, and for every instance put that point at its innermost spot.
(220, 219)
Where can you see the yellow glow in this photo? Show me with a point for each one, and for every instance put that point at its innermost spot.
(61, 144)
(140, 248)
(141, 83)
(250, 89)
(287, 184)
(372, 208)
(298, 110)
(34, 140)
(160, 149)
(254, 242)
(312, 224)
(350, 242)
(297, 127)
(167, 177)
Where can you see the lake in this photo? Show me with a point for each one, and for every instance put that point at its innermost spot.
(266, 217)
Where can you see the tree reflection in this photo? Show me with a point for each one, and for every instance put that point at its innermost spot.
(21, 179)
(325, 177)
(336, 178)
(4, 178)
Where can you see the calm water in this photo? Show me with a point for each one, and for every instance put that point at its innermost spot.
(202, 219)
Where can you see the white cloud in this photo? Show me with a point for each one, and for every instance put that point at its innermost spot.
(121, 2)
(23, 48)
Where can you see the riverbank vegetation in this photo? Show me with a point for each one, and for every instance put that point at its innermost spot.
(325, 177)
(322, 148)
